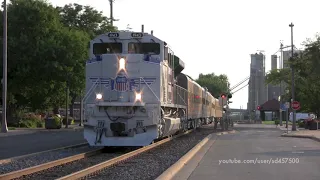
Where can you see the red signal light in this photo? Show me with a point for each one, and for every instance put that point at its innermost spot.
(223, 96)
(258, 108)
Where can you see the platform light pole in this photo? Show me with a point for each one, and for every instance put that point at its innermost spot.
(4, 127)
(280, 85)
(111, 11)
(81, 105)
(294, 128)
(67, 101)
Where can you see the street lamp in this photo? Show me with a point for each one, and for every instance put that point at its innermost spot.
(4, 127)
(67, 99)
(294, 128)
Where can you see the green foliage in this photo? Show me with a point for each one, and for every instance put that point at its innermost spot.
(43, 52)
(276, 122)
(85, 18)
(306, 67)
(215, 84)
(70, 120)
(268, 122)
(57, 120)
(31, 120)
(92, 22)
(301, 124)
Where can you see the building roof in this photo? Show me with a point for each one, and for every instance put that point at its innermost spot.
(271, 105)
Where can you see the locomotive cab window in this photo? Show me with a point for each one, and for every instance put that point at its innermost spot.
(144, 48)
(107, 48)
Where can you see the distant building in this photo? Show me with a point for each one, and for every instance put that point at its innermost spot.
(273, 90)
(257, 91)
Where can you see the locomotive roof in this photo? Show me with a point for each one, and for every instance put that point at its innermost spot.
(190, 79)
(122, 35)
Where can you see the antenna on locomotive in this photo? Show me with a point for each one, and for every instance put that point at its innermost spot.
(151, 32)
(142, 28)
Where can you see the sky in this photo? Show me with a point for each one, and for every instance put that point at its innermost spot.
(217, 36)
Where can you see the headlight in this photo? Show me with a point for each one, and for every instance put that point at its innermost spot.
(122, 63)
(99, 96)
(138, 96)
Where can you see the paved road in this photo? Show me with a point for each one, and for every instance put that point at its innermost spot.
(17, 145)
(259, 142)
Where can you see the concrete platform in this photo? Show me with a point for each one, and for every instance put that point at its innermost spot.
(25, 141)
(260, 144)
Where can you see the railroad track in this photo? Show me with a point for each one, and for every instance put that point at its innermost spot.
(96, 168)
(8, 160)
(41, 167)
(84, 167)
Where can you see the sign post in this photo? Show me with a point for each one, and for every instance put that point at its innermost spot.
(295, 105)
(287, 106)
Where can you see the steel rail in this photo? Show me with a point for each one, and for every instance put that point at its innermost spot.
(8, 160)
(41, 167)
(98, 167)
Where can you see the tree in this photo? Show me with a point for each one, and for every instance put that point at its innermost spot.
(307, 77)
(40, 52)
(91, 21)
(85, 18)
(215, 84)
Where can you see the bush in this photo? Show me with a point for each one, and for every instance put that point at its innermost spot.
(31, 120)
(301, 124)
(276, 122)
(57, 120)
(70, 120)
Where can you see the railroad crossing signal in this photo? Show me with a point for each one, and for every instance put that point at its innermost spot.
(223, 99)
(295, 105)
(258, 108)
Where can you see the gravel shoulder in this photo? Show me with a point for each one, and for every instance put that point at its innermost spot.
(151, 164)
(42, 158)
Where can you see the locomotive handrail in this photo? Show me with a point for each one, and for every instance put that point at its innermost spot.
(86, 96)
(179, 93)
(149, 88)
(92, 87)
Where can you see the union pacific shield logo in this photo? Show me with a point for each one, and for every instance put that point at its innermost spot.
(121, 83)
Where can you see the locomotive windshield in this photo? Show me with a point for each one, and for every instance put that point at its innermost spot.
(144, 48)
(107, 48)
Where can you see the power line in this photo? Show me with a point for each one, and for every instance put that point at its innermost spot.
(240, 88)
(241, 82)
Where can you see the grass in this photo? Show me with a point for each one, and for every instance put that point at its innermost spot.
(272, 122)
(9, 128)
(267, 122)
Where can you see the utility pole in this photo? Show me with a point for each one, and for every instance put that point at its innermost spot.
(81, 104)
(280, 86)
(111, 11)
(294, 128)
(4, 127)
